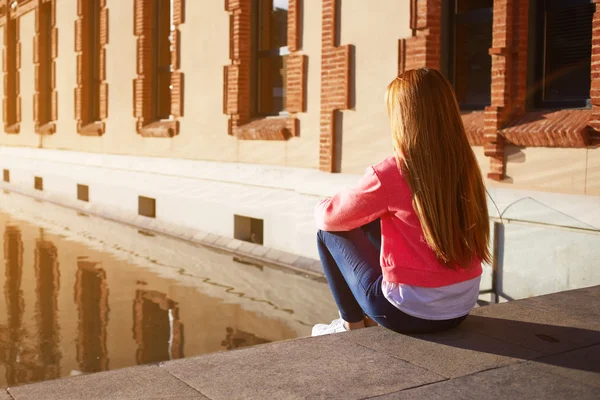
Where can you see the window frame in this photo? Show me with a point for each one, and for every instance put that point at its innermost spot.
(91, 92)
(243, 122)
(148, 122)
(11, 65)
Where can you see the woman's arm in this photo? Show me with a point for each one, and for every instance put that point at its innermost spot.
(352, 208)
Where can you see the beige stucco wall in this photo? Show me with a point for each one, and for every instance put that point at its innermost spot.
(557, 170)
(592, 183)
(374, 33)
(205, 50)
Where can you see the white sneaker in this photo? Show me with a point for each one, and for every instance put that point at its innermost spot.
(336, 326)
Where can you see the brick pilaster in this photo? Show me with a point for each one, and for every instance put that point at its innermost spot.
(335, 76)
(509, 77)
(422, 50)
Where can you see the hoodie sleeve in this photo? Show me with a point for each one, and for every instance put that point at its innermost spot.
(352, 208)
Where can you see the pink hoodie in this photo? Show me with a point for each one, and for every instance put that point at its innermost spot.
(405, 256)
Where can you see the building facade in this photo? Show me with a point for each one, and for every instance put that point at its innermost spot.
(234, 117)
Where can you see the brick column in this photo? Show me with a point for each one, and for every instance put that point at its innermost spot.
(335, 72)
(509, 77)
(422, 50)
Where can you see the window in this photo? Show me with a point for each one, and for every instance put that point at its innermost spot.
(267, 73)
(563, 43)
(161, 74)
(12, 102)
(45, 51)
(469, 65)
(91, 93)
(158, 89)
(45, 65)
(92, 77)
(269, 55)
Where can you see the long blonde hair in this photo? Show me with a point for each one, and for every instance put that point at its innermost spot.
(436, 159)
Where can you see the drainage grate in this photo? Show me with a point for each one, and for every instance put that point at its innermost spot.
(83, 192)
(38, 183)
(147, 206)
(6, 175)
(248, 229)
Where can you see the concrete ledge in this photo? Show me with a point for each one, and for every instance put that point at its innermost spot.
(545, 348)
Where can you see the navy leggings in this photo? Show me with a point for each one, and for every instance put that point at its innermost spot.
(351, 264)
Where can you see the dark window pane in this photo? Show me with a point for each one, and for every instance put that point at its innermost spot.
(45, 64)
(472, 62)
(568, 34)
(272, 24)
(162, 73)
(91, 61)
(271, 84)
(10, 58)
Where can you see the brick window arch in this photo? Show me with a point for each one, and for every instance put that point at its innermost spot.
(158, 88)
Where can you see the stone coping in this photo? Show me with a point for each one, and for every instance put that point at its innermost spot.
(545, 347)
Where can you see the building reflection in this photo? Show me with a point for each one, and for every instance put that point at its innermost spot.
(156, 328)
(91, 297)
(48, 332)
(12, 352)
(236, 338)
(47, 279)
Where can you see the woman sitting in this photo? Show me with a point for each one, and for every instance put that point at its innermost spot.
(404, 247)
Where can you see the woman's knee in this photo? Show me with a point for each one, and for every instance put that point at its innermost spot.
(320, 235)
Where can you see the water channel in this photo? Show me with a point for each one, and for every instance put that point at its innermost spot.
(82, 294)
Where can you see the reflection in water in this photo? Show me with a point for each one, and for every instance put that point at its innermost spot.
(47, 285)
(236, 338)
(12, 334)
(157, 329)
(91, 297)
(57, 318)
